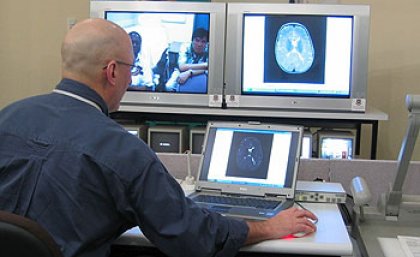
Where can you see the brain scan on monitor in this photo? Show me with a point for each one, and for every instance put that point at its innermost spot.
(294, 49)
(250, 154)
(293, 54)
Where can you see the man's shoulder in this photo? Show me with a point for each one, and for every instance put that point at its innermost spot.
(27, 101)
(116, 145)
(21, 110)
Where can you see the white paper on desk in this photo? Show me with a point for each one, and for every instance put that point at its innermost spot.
(410, 245)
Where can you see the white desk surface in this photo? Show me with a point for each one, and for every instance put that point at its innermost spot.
(379, 237)
(391, 247)
(331, 237)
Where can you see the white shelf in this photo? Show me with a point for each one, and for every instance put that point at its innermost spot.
(370, 114)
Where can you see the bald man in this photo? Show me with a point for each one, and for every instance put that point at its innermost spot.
(65, 164)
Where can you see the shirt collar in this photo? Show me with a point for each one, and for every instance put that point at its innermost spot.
(84, 91)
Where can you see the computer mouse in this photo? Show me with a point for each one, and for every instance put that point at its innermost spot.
(302, 234)
(299, 234)
(313, 221)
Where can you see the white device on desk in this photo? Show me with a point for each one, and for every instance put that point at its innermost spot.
(322, 192)
(397, 214)
(394, 205)
(189, 182)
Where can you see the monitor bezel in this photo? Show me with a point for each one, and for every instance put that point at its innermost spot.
(217, 12)
(356, 102)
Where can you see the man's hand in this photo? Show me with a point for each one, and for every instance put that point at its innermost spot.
(290, 221)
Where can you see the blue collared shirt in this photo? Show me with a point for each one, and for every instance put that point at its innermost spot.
(84, 178)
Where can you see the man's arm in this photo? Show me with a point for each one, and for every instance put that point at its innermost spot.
(193, 66)
(290, 221)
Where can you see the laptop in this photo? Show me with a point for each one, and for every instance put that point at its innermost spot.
(248, 170)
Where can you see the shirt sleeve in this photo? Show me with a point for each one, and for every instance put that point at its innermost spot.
(175, 224)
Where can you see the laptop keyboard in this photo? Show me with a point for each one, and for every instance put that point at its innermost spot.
(238, 201)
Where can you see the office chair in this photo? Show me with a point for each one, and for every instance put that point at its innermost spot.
(22, 237)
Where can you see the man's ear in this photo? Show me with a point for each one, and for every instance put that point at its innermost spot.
(110, 72)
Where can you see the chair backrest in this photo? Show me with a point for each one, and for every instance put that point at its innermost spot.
(22, 237)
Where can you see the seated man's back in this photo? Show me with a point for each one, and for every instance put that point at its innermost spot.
(57, 169)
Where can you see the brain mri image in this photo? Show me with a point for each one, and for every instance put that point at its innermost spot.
(249, 155)
(294, 49)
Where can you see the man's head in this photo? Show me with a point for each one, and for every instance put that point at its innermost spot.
(136, 41)
(93, 52)
(200, 37)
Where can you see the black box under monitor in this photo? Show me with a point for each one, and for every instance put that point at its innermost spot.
(167, 139)
(197, 139)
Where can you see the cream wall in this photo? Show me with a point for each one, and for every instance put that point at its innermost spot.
(394, 68)
(31, 34)
(30, 41)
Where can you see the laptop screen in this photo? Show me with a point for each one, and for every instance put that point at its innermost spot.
(263, 156)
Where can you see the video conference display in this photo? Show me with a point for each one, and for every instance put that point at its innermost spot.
(302, 55)
(336, 148)
(171, 50)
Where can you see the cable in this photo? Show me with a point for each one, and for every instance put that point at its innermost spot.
(303, 207)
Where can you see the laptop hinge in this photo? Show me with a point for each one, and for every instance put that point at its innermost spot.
(276, 196)
(241, 195)
(212, 190)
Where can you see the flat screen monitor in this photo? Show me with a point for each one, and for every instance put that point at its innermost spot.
(179, 47)
(297, 56)
(336, 144)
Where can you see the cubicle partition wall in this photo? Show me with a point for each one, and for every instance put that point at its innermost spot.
(379, 174)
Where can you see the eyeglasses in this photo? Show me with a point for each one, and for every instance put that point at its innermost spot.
(135, 69)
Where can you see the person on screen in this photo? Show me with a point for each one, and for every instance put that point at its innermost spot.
(142, 78)
(166, 71)
(193, 60)
(83, 177)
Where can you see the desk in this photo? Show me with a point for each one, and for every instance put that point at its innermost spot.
(391, 247)
(348, 120)
(331, 238)
(376, 237)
